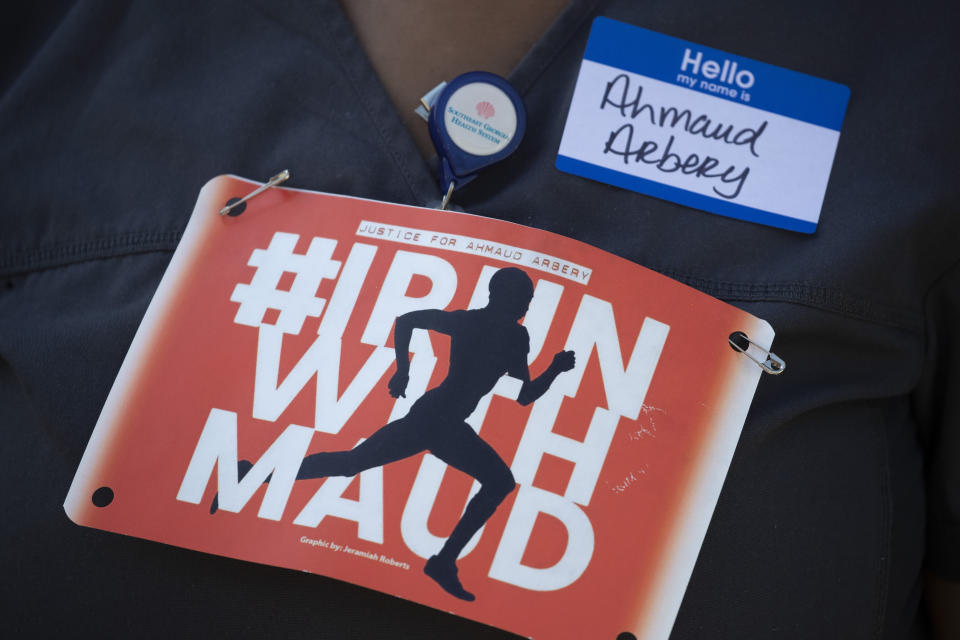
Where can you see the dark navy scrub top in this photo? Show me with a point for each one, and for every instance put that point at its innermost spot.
(845, 485)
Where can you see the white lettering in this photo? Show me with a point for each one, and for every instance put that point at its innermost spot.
(587, 456)
(393, 300)
(218, 447)
(416, 513)
(625, 387)
(687, 59)
(745, 79)
(530, 503)
(711, 69)
(347, 291)
(366, 510)
(322, 360)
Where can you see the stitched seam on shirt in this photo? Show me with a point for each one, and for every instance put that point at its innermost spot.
(344, 66)
(56, 255)
(364, 102)
(588, 10)
(886, 536)
(821, 298)
(808, 294)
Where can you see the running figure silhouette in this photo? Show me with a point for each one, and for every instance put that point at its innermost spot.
(485, 344)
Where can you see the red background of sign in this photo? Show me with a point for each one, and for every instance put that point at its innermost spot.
(196, 358)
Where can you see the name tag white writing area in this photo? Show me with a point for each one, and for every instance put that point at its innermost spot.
(703, 128)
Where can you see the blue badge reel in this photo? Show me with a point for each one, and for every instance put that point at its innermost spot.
(478, 119)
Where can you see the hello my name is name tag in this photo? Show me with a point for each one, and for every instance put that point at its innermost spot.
(701, 127)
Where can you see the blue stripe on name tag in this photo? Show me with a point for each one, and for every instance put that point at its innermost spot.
(681, 196)
(788, 93)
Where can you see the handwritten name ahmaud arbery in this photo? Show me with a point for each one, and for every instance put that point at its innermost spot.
(663, 155)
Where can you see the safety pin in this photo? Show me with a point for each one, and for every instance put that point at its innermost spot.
(446, 198)
(283, 176)
(772, 364)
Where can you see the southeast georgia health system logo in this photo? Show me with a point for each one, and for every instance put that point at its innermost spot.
(493, 126)
(485, 110)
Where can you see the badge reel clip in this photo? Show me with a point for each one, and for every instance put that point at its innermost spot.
(475, 120)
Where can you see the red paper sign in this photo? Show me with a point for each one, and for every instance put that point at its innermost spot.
(588, 408)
